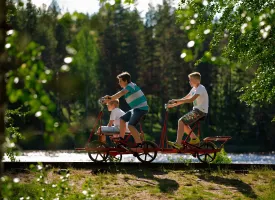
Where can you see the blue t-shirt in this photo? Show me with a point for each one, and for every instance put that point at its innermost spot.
(135, 97)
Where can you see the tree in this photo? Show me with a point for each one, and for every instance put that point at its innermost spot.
(3, 70)
(85, 63)
(119, 40)
(242, 36)
(24, 78)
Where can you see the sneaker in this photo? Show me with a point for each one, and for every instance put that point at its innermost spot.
(195, 141)
(174, 144)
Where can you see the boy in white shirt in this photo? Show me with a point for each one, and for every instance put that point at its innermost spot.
(199, 97)
(114, 123)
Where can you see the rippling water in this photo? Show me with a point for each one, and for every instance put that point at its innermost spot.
(72, 156)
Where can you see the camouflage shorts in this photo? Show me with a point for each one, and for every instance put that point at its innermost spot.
(192, 116)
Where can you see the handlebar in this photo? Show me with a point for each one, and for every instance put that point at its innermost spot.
(102, 99)
(101, 102)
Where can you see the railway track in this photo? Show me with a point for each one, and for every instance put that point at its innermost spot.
(17, 166)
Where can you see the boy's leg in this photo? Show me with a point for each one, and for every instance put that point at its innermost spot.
(135, 134)
(134, 120)
(102, 138)
(190, 118)
(100, 130)
(123, 119)
(183, 128)
(187, 130)
(122, 128)
(180, 132)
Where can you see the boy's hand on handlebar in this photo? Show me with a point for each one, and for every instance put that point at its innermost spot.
(106, 99)
(170, 105)
(172, 101)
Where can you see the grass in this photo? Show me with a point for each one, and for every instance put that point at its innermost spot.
(145, 184)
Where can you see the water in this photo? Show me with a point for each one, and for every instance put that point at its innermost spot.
(72, 156)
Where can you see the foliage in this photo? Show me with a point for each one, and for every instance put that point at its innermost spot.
(27, 83)
(222, 158)
(44, 188)
(13, 136)
(241, 35)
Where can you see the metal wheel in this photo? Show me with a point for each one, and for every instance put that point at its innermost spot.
(96, 156)
(146, 156)
(207, 157)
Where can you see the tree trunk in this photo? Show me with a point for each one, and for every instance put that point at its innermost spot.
(3, 69)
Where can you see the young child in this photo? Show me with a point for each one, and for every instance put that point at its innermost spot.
(136, 100)
(199, 97)
(114, 123)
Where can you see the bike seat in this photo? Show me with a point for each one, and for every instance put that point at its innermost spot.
(113, 133)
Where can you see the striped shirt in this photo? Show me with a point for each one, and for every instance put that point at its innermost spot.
(135, 97)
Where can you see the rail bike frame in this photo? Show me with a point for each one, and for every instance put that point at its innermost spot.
(162, 147)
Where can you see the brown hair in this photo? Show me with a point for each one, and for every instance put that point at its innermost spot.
(125, 76)
(114, 102)
(195, 75)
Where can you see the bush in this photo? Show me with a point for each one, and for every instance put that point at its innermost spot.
(222, 158)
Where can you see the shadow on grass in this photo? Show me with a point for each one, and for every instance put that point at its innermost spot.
(242, 187)
(148, 177)
(165, 185)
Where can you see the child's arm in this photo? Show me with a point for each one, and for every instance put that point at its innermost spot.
(187, 96)
(115, 96)
(111, 122)
(172, 102)
(186, 99)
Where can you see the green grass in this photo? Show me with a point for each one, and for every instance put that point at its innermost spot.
(145, 184)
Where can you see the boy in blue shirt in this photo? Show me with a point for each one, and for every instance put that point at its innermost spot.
(136, 100)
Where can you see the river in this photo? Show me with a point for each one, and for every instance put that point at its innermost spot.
(72, 156)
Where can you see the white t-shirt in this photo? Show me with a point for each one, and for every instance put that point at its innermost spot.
(115, 115)
(201, 102)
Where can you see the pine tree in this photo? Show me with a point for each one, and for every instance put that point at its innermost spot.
(85, 63)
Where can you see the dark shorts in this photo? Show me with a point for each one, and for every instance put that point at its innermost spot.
(133, 116)
(192, 116)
